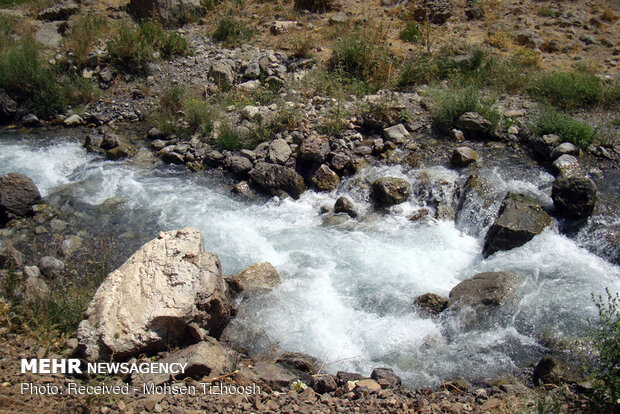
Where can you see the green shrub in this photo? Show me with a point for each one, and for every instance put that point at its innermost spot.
(315, 6)
(606, 340)
(550, 121)
(231, 30)
(131, 49)
(229, 138)
(575, 89)
(448, 63)
(135, 46)
(174, 44)
(199, 115)
(412, 33)
(359, 56)
(30, 79)
(85, 32)
(451, 104)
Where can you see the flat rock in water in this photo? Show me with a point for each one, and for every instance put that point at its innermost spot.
(484, 289)
(520, 218)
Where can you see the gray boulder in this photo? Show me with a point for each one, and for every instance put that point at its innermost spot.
(566, 165)
(574, 196)
(18, 194)
(387, 376)
(565, 148)
(325, 179)
(390, 191)
(279, 151)
(520, 218)
(258, 277)
(147, 304)
(397, 133)
(473, 123)
(276, 179)
(484, 289)
(51, 267)
(10, 257)
(463, 156)
(223, 72)
(314, 149)
(239, 165)
(544, 145)
(30, 120)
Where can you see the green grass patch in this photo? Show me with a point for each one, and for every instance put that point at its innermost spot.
(450, 104)
(605, 334)
(30, 80)
(551, 121)
(135, 46)
(364, 57)
(466, 66)
(229, 138)
(412, 33)
(569, 89)
(232, 31)
(55, 318)
(85, 32)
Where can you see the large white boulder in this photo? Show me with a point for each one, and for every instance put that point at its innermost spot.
(146, 304)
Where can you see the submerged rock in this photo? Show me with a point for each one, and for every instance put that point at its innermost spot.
(520, 218)
(484, 289)
(390, 191)
(431, 303)
(344, 205)
(574, 196)
(147, 303)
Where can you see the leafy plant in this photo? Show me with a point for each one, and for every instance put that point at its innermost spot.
(174, 44)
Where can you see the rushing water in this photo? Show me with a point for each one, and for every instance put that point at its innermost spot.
(348, 289)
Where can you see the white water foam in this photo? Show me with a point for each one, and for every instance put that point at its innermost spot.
(347, 291)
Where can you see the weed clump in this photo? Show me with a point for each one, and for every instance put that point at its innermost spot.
(135, 46)
(231, 30)
(605, 335)
(551, 121)
(574, 89)
(451, 104)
